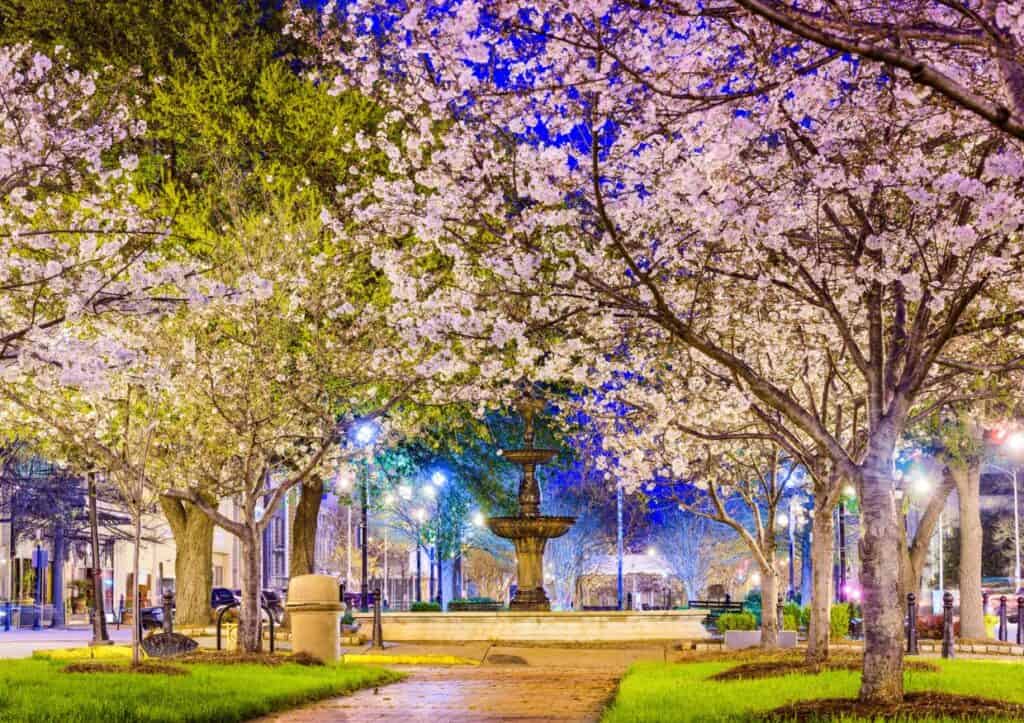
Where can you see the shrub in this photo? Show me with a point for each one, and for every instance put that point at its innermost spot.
(790, 621)
(348, 618)
(839, 620)
(736, 621)
(425, 607)
(801, 615)
(752, 603)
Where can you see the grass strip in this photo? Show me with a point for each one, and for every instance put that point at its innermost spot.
(39, 690)
(666, 692)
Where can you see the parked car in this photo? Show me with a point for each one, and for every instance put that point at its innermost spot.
(152, 618)
(271, 600)
(222, 596)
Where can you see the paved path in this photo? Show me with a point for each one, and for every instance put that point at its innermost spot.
(477, 694)
(512, 684)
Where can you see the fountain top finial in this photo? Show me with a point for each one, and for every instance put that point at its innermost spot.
(529, 407)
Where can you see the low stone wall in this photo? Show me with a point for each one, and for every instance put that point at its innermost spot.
(566, 627)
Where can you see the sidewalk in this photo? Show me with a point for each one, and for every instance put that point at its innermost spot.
(20, 643)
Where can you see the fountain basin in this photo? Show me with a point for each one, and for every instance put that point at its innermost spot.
(530, 535)
(528, 456)
(544, 526)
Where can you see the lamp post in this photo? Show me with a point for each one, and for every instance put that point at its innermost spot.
(1015, 447)
(618, 542)
(419, 515)
(365, 434)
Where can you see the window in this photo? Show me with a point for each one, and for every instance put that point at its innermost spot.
(218, 576)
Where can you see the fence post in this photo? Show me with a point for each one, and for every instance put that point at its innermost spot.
(168, 611)
(984, 602)
(1020, 620)
(911, 624)
(1002, 635)
(948, 645)
(378, 632)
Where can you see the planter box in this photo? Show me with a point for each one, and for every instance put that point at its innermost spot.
(740, 639)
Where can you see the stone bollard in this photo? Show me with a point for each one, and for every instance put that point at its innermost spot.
(948, 645)
(984, 603)
(378, 632)
(314, 610)
(168, 611)
(911, 624)
(1002, 634)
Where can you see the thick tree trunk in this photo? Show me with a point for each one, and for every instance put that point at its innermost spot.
(967, 476)
(882, 679)
(822, 551)
(193, 561)
(249, 615)
(59, 553)
(769, 601)
(303, 551)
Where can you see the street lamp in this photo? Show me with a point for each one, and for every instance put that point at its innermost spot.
(438, 478)
(1014, 445)
(419, 515)
(478, 519)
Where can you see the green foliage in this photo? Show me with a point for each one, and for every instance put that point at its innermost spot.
(425, 607)
(801, 615)
(207, 694)
(790, 621)
(736, 621)
(839, 620)
(348, 618)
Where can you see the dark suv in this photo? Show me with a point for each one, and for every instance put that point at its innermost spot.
(221, 596)
(271, 600)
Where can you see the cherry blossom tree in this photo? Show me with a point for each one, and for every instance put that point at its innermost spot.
(586, 192)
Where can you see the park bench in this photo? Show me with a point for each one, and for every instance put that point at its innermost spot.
(716, 608)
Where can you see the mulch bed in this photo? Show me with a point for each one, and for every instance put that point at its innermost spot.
(147, 668)
(914, 705)
(773, 668)
(223, 657)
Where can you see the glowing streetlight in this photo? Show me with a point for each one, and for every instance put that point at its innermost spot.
(1015, 442)
(366, 433)
(438, 478)
(389, 498)
(651, 552)
(849, 491)
(478, 519)
(420, 514)
(405, 492)
(783, 520)
(429, 492)
(921, 484)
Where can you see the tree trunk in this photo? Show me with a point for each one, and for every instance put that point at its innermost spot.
(303, 550)
(193, 561)
(915, 553)
(967, 476)
(59, 553)
(249, 615)
(822, 551)
(769, 601)
(882, 679)
(99, 622)
(806, 569)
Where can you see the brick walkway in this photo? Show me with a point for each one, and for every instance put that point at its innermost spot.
(464, 694)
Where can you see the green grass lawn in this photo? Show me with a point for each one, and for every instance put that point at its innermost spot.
(38, 690)
(664, 692)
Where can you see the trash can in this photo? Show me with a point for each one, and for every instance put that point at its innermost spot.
(314, 610)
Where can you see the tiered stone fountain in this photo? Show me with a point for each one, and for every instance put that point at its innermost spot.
(530, 530)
